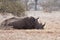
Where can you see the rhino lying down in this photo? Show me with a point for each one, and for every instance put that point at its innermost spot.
(27, 23)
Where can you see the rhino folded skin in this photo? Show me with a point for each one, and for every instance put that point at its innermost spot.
(24, 23)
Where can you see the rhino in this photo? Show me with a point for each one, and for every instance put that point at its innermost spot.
(27, 23)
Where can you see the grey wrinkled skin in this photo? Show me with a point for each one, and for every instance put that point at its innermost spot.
(39, 26)
(27, 23)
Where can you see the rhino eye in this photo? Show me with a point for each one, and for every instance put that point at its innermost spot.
(33, 19)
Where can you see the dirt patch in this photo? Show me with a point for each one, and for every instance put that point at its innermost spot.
(29, 35)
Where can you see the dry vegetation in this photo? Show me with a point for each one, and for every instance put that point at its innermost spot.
(29, 35)
(12, 6)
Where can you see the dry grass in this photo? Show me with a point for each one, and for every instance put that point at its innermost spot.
(29, 35)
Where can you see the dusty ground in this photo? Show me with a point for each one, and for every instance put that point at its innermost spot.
(29, 35)
(51, 31)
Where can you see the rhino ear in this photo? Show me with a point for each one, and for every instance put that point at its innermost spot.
(37, 18)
